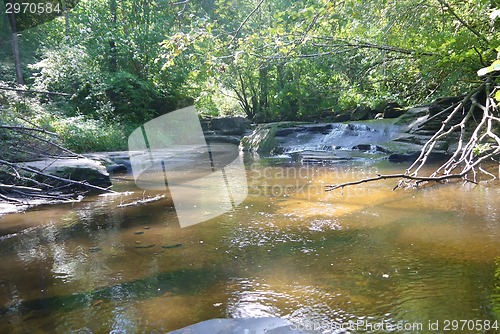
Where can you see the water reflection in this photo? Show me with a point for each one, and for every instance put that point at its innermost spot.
(370, 255)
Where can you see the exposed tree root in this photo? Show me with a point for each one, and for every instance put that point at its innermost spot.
(477, 143)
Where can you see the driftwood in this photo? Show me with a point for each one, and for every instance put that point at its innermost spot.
(19, 183)
(477, 143)
(83, 184)
(142, 201)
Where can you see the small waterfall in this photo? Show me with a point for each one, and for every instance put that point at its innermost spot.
(335, 136)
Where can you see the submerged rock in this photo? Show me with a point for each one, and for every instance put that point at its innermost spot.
(433, 157)
(171, 246)
(370, 148)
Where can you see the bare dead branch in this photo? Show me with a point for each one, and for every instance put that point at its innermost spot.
(82, 184)
(394, 176)
(474, 147)
(142, 201)
(35, 91)
(13, 187)
(23, 128)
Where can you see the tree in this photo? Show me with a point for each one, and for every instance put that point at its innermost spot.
(15, 45)
(407, 51)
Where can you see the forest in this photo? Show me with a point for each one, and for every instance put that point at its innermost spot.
(112, 65)
(284, 228)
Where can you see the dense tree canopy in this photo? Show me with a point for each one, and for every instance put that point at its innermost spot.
(131, 60)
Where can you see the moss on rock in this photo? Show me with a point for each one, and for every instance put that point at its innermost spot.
(263, 139)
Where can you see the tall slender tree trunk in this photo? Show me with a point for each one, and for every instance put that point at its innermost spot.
(113, 62)
(15, 47)
(264, 90)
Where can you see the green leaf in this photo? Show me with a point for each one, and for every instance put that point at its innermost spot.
(497, 96)
(495, 66)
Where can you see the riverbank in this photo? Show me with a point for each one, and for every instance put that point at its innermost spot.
(396, 136)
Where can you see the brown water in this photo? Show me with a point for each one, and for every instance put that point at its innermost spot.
(370, 255)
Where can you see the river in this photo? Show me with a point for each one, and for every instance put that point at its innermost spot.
(369, 255)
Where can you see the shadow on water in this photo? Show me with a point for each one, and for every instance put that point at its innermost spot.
(178, 282)
(290, 250)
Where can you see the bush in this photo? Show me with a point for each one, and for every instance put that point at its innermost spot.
(134, 100)
(89, 135)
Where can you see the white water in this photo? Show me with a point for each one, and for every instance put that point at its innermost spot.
(342, 136)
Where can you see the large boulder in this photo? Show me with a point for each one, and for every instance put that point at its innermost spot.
(113, 164)
(389, 109)
(263, 139)
(81, 169)
(443, 103)
(230, 125)
(393, 110)
(361, 113)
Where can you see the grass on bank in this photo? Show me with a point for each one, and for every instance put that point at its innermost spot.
(75, 132)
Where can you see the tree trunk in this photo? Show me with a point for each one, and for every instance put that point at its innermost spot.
(264, 90)
(113, 63)
(15, 47)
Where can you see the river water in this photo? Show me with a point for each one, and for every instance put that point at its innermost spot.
(368, 255)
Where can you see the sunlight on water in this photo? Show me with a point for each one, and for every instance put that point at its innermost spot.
(367, 254)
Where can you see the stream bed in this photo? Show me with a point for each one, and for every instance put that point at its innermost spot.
(368, 255)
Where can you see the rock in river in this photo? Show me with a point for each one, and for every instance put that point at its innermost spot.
(81, 169)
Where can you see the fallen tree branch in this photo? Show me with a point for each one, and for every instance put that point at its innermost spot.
(11, 199)
(83, 184)
(141, 201)
(29, 132)
(35, 91)
(394, 176)
(24, 128)
(13, 187)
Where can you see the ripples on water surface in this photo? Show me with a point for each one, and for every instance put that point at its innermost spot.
(290, 250)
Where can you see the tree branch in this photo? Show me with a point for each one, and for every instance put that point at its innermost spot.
(465, 24)
(474, 148)
(35, 91)
(245, 21)
(394, 176)
(83, 184)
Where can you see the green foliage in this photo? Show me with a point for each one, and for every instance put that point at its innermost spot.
(480, 149)
(294, 59)
(132, 99)
(89, 135)
(77, 133)
(128, 61)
